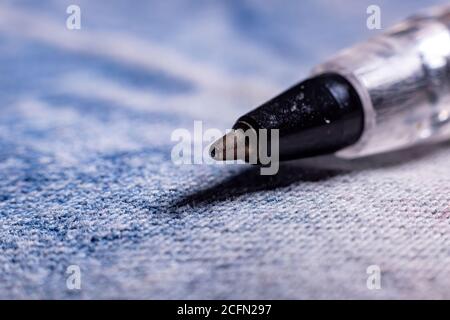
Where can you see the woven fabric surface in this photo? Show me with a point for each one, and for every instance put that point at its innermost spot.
(86, 176)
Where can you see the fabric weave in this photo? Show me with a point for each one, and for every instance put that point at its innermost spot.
(86, 176)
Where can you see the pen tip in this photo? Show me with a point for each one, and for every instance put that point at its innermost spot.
(232, 146)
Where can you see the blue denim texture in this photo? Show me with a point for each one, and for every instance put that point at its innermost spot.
(86, 176)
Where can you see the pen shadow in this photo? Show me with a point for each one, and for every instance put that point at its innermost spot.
(249, 181)
(305, 170)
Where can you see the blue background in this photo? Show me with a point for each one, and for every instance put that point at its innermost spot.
(86, 176)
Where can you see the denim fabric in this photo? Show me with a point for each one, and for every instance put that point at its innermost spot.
(86, 176)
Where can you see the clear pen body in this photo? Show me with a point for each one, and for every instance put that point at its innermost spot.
(403, 79)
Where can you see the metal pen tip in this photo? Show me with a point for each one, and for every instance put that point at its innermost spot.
(231, 146)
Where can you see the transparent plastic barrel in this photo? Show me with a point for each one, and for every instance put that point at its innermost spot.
(403, 79)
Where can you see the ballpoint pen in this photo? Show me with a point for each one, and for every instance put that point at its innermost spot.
(388, 93)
